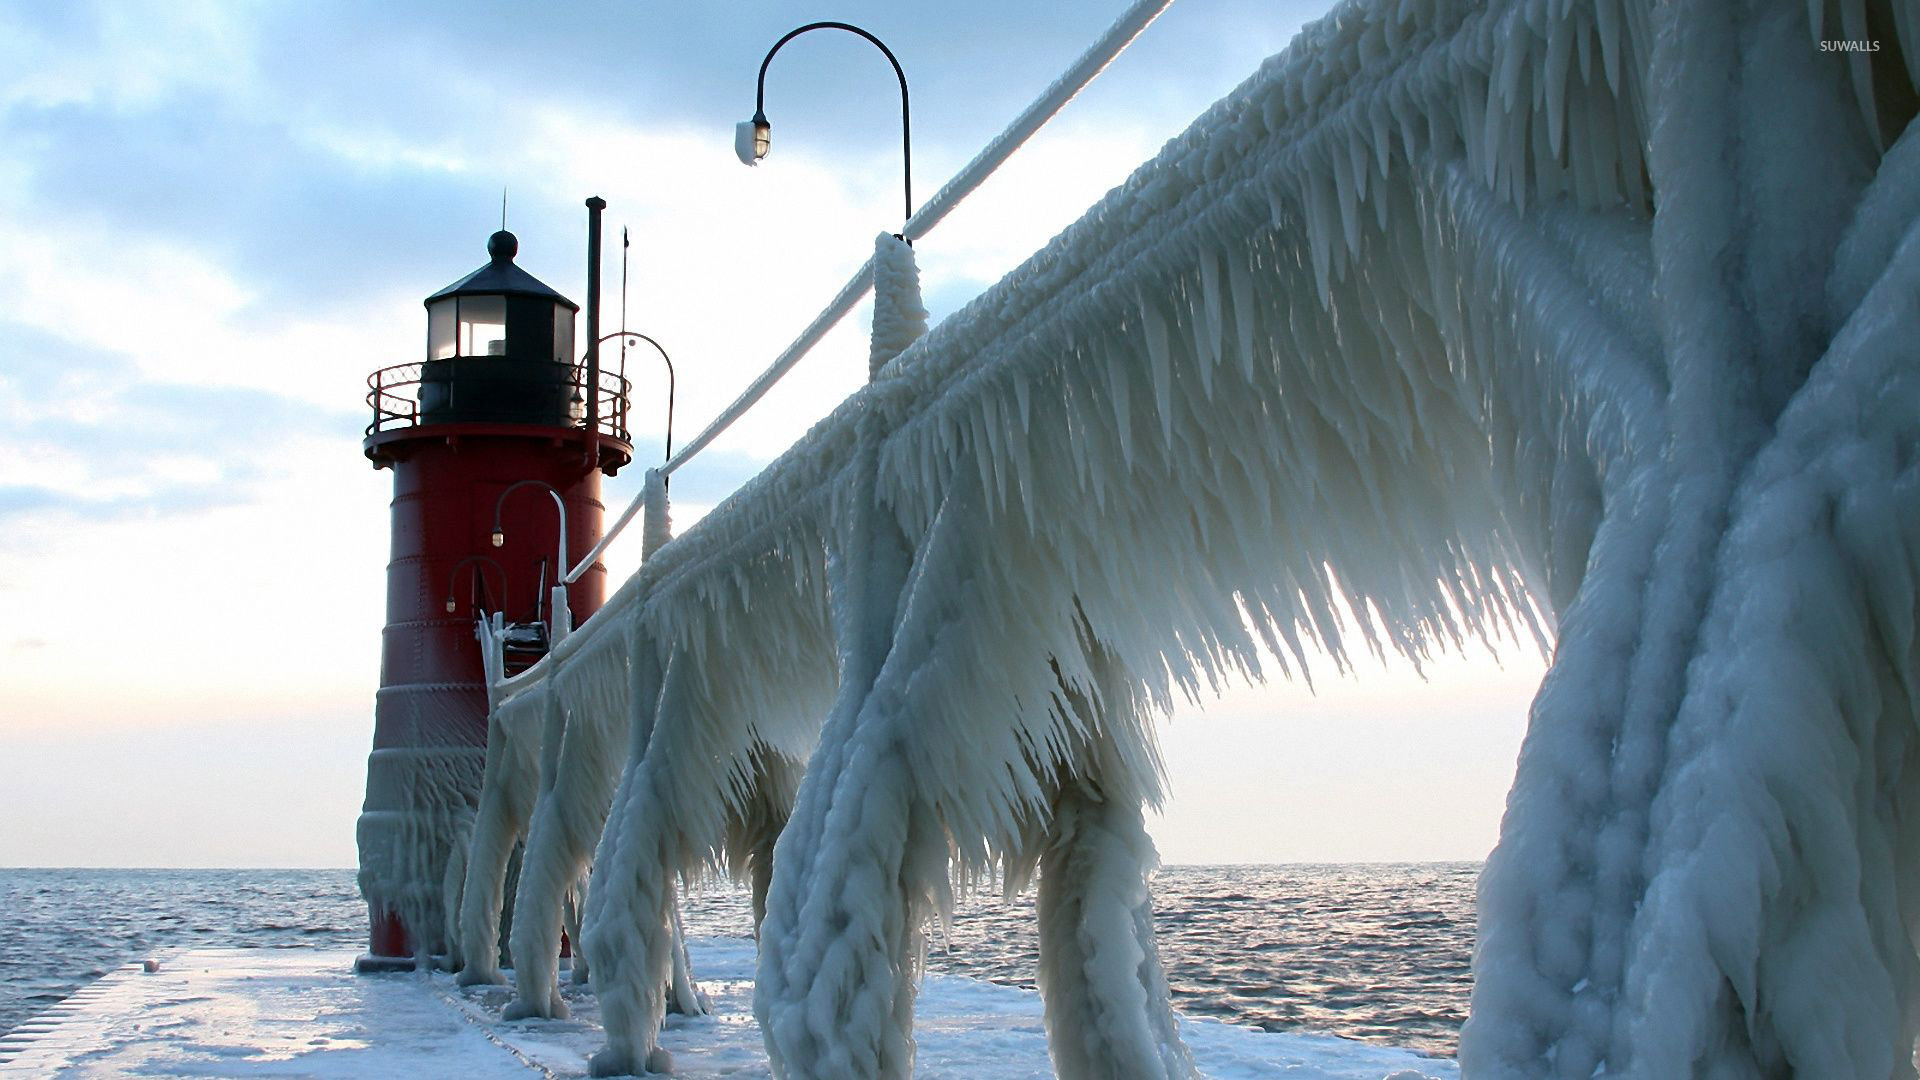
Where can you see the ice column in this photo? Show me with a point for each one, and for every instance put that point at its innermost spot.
(1108, 1012)
(899, 318)
(507, 791)
(578, 770)
(656, 524)
(861, 861)
(862, 855)
(630, 927)
(1705, 865)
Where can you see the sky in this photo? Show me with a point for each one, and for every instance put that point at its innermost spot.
(217, 219)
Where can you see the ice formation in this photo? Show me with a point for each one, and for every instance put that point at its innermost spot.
(508, 788)
(578, 768)
(1582, 324)
(551, 767)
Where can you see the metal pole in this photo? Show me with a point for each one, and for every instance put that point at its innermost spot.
(594, 206)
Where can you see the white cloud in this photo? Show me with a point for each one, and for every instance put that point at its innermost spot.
(119, 55)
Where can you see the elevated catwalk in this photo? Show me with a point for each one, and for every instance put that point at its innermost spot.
(302, 1013)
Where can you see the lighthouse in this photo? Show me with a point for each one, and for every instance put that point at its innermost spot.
(497, 439)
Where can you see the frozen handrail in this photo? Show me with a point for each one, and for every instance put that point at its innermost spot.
(1044, 108)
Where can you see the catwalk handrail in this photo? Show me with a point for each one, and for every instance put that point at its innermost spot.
(1090, 64)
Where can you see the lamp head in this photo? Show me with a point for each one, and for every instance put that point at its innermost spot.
(450, 605)
(577, 408)
(499, 538)
(752, 138)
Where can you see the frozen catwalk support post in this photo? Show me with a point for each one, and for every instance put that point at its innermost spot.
(495, 406)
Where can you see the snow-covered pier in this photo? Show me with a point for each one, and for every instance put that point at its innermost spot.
(303, 1013)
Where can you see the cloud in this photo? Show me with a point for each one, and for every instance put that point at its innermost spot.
(88, 438)
(287, 217)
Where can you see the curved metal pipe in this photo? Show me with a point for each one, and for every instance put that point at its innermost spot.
(671, 378)
(906, 126)
(454, 574)
(499, 537)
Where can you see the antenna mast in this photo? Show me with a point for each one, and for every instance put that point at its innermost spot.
(624, 244)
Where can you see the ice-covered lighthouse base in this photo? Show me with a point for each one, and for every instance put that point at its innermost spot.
(300, 1012)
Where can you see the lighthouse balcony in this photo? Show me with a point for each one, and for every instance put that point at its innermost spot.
(496, 390)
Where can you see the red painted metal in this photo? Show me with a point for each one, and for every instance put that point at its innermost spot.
(430, 716)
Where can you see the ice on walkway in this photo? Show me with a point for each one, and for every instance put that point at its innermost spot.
(303, 1013)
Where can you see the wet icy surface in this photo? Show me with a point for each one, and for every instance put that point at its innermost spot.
(302, 1013)
(1370, 952)
(62, 929)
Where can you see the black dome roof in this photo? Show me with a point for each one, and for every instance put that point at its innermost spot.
(500, 277)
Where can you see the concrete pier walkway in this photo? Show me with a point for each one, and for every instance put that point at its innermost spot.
(304, 1013)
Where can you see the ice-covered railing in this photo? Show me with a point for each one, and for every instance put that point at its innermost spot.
(1479, 320)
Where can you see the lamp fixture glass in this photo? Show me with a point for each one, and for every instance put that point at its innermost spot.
(752, 138)
(450, 605)
(499, 538)
(577, 407)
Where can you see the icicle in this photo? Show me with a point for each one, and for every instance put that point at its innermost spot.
(1583, 49)
(1853, 27)
(1118, 393)
(1606, 18)
(1360, 151)
(1554, 81)
(988, 422)
(1379, 135)
(1321, 210)
(1346, 187)
(1514, 52)
(1906, 23)
(1212, 303)
(1159, 365)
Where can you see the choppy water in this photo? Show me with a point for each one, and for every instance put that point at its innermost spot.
(1375, 952)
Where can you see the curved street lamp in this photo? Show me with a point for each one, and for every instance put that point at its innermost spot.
(499, 534)
(479, 573)
(753, 138)
(670, 375)
(562, 617)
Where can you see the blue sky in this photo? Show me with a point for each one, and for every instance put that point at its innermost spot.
(216, 219)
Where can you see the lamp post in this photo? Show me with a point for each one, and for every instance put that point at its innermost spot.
(753, 138)
(562, 621)
(479, 574)
(636, 335)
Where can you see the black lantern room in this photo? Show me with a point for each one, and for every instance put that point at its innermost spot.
(500, 348)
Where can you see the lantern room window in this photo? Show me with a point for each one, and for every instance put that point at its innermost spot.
(441, 320)
(483, 325)
(477, 326)
(562, 335)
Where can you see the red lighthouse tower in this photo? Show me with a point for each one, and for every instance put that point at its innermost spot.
(499, 402)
